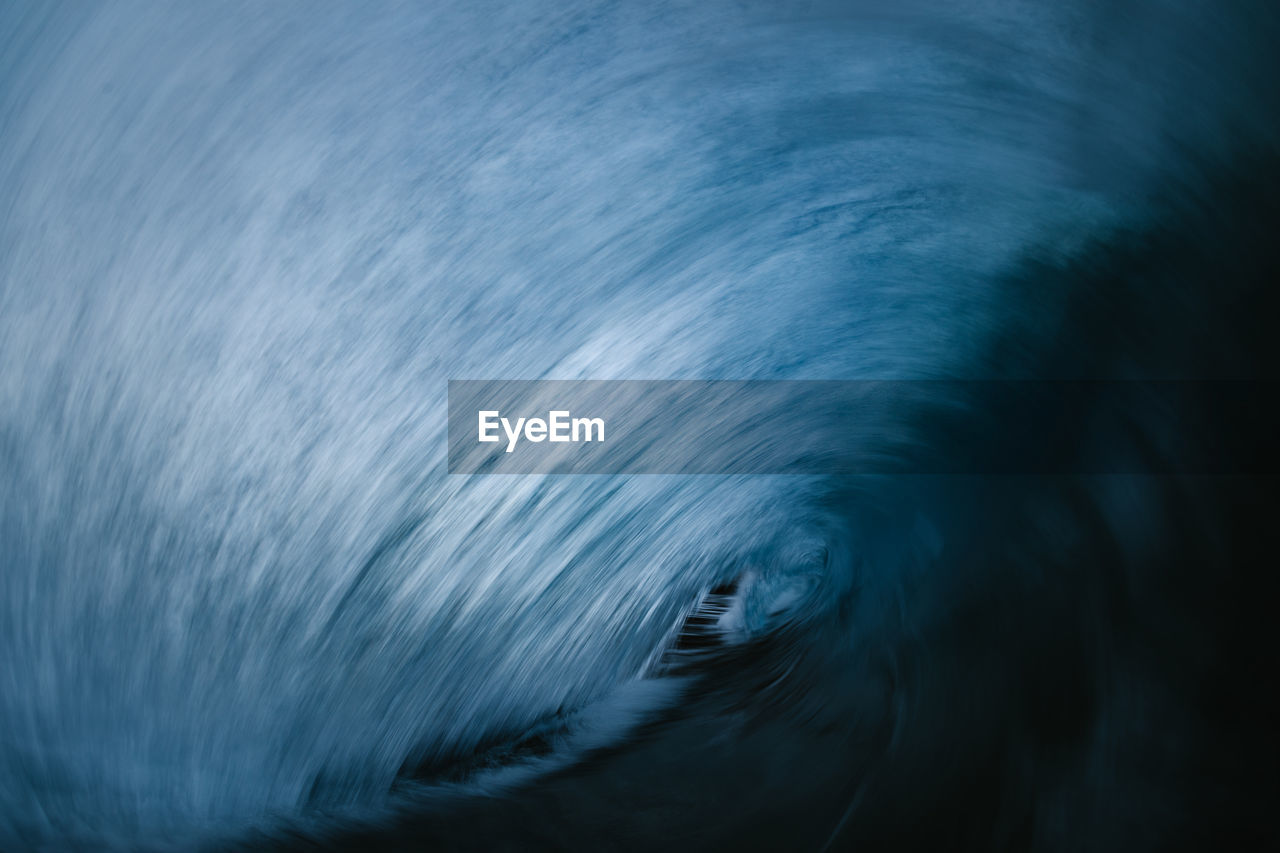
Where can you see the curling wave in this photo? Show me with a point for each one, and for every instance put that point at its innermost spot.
(243, 248)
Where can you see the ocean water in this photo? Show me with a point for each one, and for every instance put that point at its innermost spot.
(243, 248)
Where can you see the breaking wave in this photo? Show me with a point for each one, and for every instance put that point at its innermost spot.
(243, 248)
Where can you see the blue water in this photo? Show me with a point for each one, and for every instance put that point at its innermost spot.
(243, 248)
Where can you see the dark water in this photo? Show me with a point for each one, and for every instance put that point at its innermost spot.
(243, 248)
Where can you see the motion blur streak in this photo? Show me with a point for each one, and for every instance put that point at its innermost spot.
(243, 248)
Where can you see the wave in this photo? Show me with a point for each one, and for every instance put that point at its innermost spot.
(244, 248)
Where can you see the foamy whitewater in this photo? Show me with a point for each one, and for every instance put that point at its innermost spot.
(244, 247)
